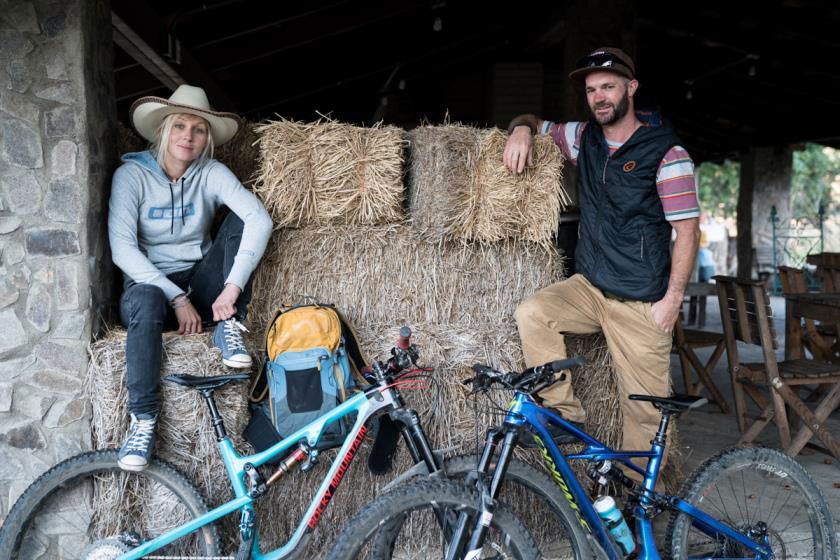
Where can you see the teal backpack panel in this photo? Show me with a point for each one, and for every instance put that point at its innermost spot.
(304, 385)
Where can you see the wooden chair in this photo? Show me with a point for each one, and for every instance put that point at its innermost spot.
(820, 339)
(686, 341)
(830, 274)
(746, 315)
(828, 270)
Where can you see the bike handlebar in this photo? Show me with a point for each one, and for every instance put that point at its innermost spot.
(404, 355)
(525, 380)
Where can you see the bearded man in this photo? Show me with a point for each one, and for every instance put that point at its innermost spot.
(636, 186)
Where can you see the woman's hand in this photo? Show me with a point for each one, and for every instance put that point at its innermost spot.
(518, 149)
(225, 305)
(189, 321)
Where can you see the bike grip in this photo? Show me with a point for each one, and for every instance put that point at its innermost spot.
(568, 363)
(404, 341)
(484, 370)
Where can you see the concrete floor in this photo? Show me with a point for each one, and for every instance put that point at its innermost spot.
(706, 431)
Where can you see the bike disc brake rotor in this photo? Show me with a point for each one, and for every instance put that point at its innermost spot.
(105, 549)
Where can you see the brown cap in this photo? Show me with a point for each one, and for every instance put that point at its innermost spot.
(604, 59)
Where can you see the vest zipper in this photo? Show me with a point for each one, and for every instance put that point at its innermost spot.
(642, 248)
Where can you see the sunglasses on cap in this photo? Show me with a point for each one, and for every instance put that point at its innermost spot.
(602, 60)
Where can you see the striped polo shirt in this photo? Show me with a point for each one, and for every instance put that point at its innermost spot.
(674, 178)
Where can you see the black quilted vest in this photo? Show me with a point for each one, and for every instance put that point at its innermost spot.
(624, 238)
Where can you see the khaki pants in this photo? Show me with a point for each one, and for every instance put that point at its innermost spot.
(639, 347)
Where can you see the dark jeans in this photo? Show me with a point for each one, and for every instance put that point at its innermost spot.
(145, 311)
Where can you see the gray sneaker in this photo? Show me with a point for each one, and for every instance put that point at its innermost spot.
(136, 451)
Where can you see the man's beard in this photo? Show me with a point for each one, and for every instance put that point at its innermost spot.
(618, 111)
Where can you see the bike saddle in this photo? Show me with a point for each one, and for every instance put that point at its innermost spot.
(674, 403)
(204, 383)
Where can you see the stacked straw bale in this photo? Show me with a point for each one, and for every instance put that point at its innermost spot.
(381, 273)
(330, 173)
(460, 189)
(185, 435)
(241, 153)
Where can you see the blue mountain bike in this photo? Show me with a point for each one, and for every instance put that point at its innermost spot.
(747, 502)
(87, 508)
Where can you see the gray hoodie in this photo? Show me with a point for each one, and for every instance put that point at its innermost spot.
(157, 226)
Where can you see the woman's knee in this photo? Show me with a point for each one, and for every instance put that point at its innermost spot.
(232, 225)
(144, 302)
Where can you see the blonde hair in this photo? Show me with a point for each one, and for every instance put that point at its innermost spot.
(158, 147)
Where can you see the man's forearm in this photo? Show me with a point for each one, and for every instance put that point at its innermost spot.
(682, 258)
(531, 121)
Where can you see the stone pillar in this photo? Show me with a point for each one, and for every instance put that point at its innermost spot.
(766, 178)
(56, 141)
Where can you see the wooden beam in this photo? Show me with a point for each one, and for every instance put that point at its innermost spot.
(139, 50)
(142, 34)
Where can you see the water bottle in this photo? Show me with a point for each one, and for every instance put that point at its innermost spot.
(614, 520)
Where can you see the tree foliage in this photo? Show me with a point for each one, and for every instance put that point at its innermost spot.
(815, 167)
(717, 187)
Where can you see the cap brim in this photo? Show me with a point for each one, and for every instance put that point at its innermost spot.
(148, 113)
(580, 74)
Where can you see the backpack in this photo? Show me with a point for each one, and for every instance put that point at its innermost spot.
(310, 363)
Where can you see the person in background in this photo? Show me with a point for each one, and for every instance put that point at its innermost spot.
(162, 206)
(636, 186)
(705, 260)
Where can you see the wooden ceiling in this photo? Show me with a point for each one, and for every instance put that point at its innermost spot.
(728, 74)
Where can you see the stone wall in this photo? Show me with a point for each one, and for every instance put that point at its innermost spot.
(56, 143)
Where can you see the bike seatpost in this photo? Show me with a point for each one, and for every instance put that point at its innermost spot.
(218, 423)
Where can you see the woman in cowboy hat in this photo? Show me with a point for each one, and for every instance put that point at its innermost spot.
(163, 201)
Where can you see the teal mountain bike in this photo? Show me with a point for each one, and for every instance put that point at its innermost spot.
(60, 516)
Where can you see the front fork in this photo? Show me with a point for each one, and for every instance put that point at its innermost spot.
(487, 494)
(415, 438)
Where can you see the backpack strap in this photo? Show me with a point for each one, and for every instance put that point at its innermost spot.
(351, 344)
(259, 387)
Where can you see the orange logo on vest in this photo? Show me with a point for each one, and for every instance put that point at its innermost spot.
(629, 166)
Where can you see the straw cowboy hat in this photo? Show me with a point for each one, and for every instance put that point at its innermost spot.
(148, 112)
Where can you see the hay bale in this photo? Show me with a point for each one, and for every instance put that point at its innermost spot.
(330, 173)
(460, 189)
(388, 273)
(241, 153)
(185, 435)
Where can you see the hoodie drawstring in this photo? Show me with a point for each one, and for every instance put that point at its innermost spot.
(172, 210)
(183, 218)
